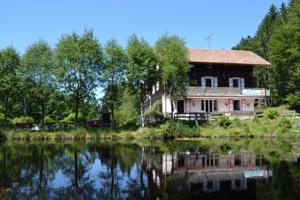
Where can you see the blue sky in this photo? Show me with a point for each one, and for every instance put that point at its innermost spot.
(24, 22)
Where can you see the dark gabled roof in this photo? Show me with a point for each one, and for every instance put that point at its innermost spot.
(226, 57)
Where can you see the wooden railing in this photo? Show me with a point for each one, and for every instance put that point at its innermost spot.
(214, 115)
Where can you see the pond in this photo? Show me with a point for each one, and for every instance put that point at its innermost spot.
(246, 169)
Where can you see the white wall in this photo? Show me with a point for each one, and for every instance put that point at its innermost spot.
(166, 105)
(194, 105)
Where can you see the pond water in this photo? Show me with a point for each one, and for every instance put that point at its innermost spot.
(171, 170)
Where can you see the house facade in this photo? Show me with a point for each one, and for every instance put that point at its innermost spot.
(220, 81)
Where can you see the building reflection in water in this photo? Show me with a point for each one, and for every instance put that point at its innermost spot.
(207, 172)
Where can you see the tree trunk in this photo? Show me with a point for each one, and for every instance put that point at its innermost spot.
(43, 109)
(142, 113)
(41, 169)
(112, 117)
(76, 110)
(172, 109)
(76, 170)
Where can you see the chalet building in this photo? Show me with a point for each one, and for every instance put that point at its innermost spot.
(220, 81)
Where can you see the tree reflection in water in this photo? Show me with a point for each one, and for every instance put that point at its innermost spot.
(128, 171)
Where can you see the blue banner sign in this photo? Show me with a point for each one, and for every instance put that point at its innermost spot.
(255, 173)
(254, 92)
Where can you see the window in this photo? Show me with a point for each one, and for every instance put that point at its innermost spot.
(236, 105)
(209, 105)
(180, 106)
(236, 82)
(202, 105)
(208, 82)
(215, 105)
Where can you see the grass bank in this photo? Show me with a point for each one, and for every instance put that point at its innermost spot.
(272, 125)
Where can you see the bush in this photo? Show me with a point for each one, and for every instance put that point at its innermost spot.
(178, 129)
(22, 119)
(71, 117)
(271, 113)
(224, 122)
(237, 122)
(48, 120)
(127, 114)
(284, 124)
(2, 119)
(293, 101)
(155, 111)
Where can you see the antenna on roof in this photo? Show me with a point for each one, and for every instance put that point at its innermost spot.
(208, 39)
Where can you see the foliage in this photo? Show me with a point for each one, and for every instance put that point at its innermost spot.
(79, 61)
(155, 111)
(36, 66)
(277, 40)
(294, 101)
(22, 119)
(11, 84)
(2, 118)
(48, 120)
(127, 113)
(224, 122)
(179, 129)
(113, 76)
(142, 73)
(174, 66)
(284, 124)
(271, 113)
(72, 116)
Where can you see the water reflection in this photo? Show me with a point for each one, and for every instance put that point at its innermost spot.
(128, 171)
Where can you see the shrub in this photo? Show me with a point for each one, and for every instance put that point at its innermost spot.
(271, 113)
(178, 129)
(22, 119)
(2, 119)
(284, 124)
(155, 111)
(71, 117)
(237, 122)
(48, 120)
(2, 136)
(255, 119)
(293, 101)
(224, 122)
(127, 113)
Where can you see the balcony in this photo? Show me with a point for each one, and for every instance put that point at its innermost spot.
(193, 91)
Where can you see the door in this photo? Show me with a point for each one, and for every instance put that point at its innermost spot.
(180, 106)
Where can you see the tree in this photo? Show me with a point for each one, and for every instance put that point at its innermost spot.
(9, 81)
(79, 65)
(174, 66)
(141, 68)
(127, 113)
(36, 65)
(285, 52)
(113, 76)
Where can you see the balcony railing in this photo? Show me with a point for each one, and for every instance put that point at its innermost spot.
(195, 91)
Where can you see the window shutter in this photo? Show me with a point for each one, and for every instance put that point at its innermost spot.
(230, 82)
(242, 83)
(215, 82)
(243, 104)
(230, 104)
(203, 81)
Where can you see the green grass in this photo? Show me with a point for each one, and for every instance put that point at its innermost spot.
(264, 127)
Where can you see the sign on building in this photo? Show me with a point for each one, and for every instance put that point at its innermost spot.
(254, 92)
